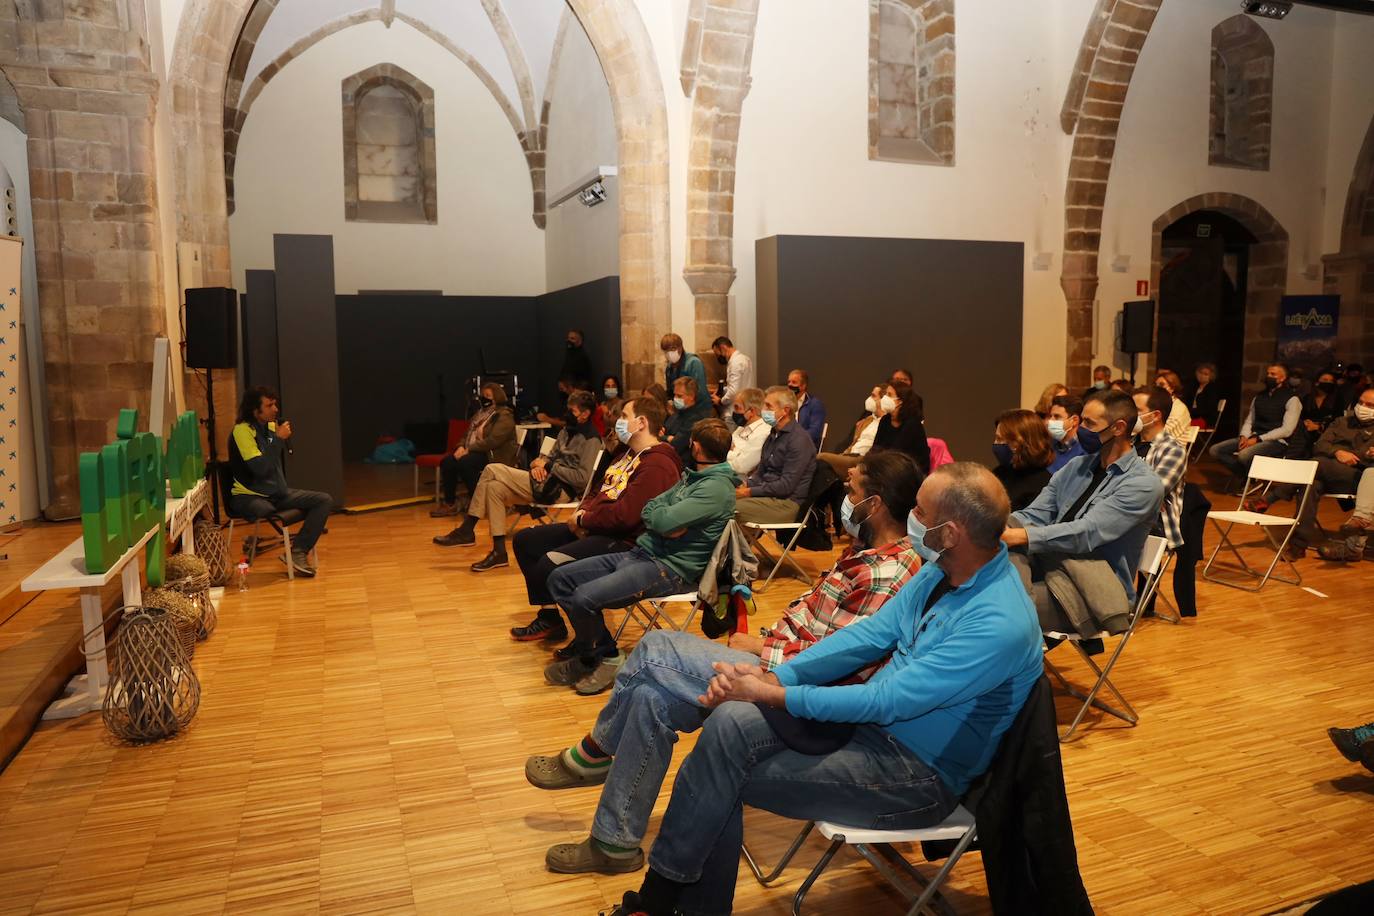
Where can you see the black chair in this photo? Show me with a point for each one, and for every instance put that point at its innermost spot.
(279, 520)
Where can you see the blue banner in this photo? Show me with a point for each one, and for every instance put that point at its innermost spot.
(1307, 332)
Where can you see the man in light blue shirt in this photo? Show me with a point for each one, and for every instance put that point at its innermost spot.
(1066, 412)
(963, 651)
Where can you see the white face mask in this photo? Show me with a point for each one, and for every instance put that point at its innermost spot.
(871, 405)
(674, 356)
(1364, 414)
(888, 403)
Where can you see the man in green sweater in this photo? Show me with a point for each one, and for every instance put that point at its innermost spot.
(681, 526)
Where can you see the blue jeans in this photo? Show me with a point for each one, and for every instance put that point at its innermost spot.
(314, 504)
(654, 698)
(1239, 464)
(874, 781)
(585, 588)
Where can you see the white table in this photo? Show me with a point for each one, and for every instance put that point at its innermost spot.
(86, 692)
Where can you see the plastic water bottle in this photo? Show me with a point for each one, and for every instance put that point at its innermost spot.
(243, 574)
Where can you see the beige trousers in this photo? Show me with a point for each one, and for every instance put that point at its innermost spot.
(500, 487)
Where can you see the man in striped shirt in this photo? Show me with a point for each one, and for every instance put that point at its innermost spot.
(656, 691)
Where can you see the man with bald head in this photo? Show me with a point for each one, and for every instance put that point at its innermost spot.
(963, 651)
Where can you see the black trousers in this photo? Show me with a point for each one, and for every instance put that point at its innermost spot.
(532, 547)
(467, 469)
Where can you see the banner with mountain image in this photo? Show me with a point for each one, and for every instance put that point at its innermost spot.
(1307, 332)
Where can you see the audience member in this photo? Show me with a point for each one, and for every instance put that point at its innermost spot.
(739, 375)
(1178, 420)
(657, 693)
(1066, 414)
(561, 475)
(902, 426)
(1099, 507)
(904, 746)
(657, 392)
(903, 377)
(1024, 451)
(681, 363)
(1203, 396)
(775, 492)
(681, 528)
(810, 409)
(1321, 406)
(1345, 457)
(490, 437)
(613, 398)
(746, 442)
(1123, 385)
(607, 521)
(1350, 383)
(688, 408)
(1052, 391)
(577, 365)
(1167, 457)
(862, 439)
(1102, 379)
(1355, 744)
(1272, 418)
(256, 444)
(566, 386)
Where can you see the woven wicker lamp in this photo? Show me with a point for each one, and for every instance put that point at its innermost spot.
(153, 692)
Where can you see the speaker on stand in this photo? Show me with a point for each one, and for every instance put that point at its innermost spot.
(1137, 330)
(211, 343)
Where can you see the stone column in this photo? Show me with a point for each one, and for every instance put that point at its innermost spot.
(81, 71)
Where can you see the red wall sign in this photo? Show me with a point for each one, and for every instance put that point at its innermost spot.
(1142, 287)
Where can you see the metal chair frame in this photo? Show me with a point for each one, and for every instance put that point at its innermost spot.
(1263, 472)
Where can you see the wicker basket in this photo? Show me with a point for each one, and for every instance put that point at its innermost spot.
(183, 611)
(190, 576)
(213, 547)
(153, 692)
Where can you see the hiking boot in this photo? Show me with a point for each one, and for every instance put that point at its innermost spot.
(444, 510)
(1341, 552)
(300, 562)
(492, 560)
(1349, 741)
(601, 677)
(458, 537)
(566, 673)
(1294, 552)
(1357, 526)
(540, 628)
(571, 650)
(588, 856)
(552, 774)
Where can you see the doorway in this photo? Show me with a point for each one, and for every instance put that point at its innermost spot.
(1203, 287)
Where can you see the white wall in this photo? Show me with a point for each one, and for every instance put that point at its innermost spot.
(289, 176)
(580, 243)
(1352, 107)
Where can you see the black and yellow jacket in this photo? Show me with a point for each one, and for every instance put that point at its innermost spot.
(255, 460)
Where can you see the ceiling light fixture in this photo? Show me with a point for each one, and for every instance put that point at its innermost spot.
(1269, 9)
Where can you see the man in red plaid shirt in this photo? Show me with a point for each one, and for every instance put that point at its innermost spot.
(657, 689)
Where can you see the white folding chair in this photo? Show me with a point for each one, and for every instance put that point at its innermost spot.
(1264, 472)
(1211, 431)
(825, 433)
(1189, 439)
(755, 532)
(1153, 561)
(652, 613)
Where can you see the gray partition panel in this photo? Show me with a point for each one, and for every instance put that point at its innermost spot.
(309, 361)
(850, 310)
(594, 309)
(259, 332)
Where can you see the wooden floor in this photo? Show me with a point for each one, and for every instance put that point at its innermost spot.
(361, 739)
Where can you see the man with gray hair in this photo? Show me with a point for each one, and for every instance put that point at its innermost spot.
(746, 442)
(775, 492)
(963, 651)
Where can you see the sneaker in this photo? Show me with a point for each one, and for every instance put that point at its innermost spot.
(1350, 741)
(492, 560)
(444, 510)
(1357, 526)
(552, 773)
(301, 564)
(540, 628)
(1294, 552)
(1341, 552)
(566, 673)
(601, 677)
(571, 650)
(458, 537)
(588, 856)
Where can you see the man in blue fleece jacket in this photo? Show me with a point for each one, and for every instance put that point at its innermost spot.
(963, 650)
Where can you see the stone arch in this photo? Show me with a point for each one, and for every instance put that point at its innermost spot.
(911, 81)
(1266, 281)
(1096, 121)
(1350, 273)
(11, 109)
(1357, 227)
(1242, 90)
(419, 99)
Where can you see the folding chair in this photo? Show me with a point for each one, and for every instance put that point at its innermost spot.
(1264, 471)
(1211, 431)
(280, 521)
(756, 531)
(1189, 439)
(825, 433)
(652, 613)
(1153, 560)
(457, 429)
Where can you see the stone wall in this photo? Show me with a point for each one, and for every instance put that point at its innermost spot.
(82, 74)
(1242, 109)
(911, 81)
(390, 159)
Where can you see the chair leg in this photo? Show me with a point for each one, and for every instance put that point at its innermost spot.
(417, 480)
(933, 888)
(815, 873)
(286, 541)
(1090, 698)
(772, 876)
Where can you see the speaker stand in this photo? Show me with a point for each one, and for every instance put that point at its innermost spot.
(212, 464)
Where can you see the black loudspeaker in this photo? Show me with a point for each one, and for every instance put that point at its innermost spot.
(1138, 327)
(212, 328)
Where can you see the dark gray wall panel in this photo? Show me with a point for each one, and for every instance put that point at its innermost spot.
(849, 310)
(259, 331)
(309, 360)
(594, 308)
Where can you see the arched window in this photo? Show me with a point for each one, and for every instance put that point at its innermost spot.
(1242, 94)
(911, 81)
(389, 155)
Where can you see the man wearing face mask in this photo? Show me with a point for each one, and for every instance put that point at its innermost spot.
(688, 408)
(1272, 418)
(1066, 413)
(607, 521)
(746, 441)
(1102, 379)
(963, 652)
(657, 691)
(1345, 464)
(577, 365)
(875, 408)
(739, 374)
(810, 410)
(1100, 506)
(775, 492)
(680, 363)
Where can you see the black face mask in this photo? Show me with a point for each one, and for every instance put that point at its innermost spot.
(722, 360)
(738, 418)
(1327, 387)
(572, 345)
(795, 390)
(1270, 384)
(486, 402)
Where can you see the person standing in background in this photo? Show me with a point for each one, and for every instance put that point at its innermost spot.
(739, 375)
(577, 365)
(681, 363)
